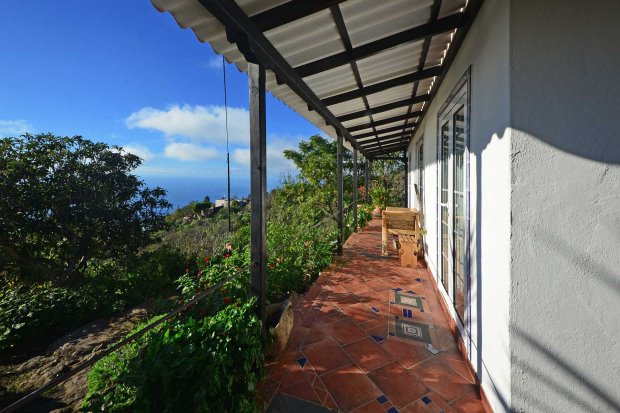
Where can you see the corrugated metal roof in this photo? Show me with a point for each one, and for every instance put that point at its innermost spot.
(316, 37)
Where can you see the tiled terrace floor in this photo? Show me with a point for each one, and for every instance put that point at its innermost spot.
(360, 338)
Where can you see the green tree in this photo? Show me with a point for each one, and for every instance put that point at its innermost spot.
(313, 193)
(68, 200)
(388, 183)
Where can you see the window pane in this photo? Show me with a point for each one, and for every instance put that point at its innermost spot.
(458, 213)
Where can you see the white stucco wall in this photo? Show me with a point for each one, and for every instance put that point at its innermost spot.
(565, 111)
(486, 50)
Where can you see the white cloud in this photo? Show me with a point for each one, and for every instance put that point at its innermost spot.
(189, 152)
(139, 150)
(200, 123)
(215, 63)
(276, 162)
(14, 128)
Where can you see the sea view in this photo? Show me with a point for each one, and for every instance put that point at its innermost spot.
(183, 190)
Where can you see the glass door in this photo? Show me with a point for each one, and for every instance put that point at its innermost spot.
(459, 221)
(453, 205)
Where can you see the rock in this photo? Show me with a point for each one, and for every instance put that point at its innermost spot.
(279, 322)
(60, 357)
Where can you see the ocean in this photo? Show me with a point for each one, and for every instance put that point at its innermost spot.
(182, 190)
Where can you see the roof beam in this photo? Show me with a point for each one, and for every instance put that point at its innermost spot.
(385, 121)
(384, 108)
(379, 87)
(289, 12)
(237, 22)
(373, 143)
(435, 9)
(379, 132)
(382, 138)
(387, 149)
(385, 143)
(411, 35)
(390, 158)
(346, 41)
(469, 15)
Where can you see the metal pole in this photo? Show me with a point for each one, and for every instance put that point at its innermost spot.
(258, 181)
(354, 189)
(227, 147)
(340, 193)
(228, 171)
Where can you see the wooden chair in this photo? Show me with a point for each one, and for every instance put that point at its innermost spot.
(405, 223)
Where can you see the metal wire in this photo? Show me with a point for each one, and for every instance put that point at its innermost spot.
(64, 377)
(227, 148)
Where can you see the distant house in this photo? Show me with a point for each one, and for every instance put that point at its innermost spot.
(221, 203)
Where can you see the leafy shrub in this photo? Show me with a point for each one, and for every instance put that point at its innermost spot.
(302, 252)
(193, 364)
(29, 314)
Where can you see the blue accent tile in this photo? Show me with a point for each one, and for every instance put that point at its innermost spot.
(427, 400)
(382, 399)
(407, 313)
(419, 280)
(404, 312)
(392, 410)
(302, 361)
(378, 339)
(375, 309)
(410, 292)
(398, 289)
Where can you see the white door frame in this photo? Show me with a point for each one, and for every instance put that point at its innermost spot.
(458, 99)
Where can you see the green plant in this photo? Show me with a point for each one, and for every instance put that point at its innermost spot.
(197, 364)
(31, 316)
(379, 195)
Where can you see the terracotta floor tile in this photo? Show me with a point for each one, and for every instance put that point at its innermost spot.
(367, 354)
(316, 333)
(302, 390)
(429, 403)
(470, 402)
(398, 384)
(298, 336)
(326, 355)
(360, 313)
(441, 379)
(288, 369)
(337, 311)
(461, 367)
(372, 407)
(350, 387)
(345, 331)
(408, 354)
(356, 287)
(378, 285)
(377, 322)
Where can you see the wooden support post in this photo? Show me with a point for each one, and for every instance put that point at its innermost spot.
(406, 161)
(258, 185)
(354, 189)
(340, 193)
(368, 175)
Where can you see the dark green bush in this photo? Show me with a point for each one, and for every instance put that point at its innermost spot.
(30, 314)
(193, 364)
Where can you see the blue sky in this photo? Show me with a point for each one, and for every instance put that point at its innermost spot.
(119, 71)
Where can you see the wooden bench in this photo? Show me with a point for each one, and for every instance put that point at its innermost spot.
(404, 223)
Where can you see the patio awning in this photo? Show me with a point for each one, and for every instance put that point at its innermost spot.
(366, 69)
